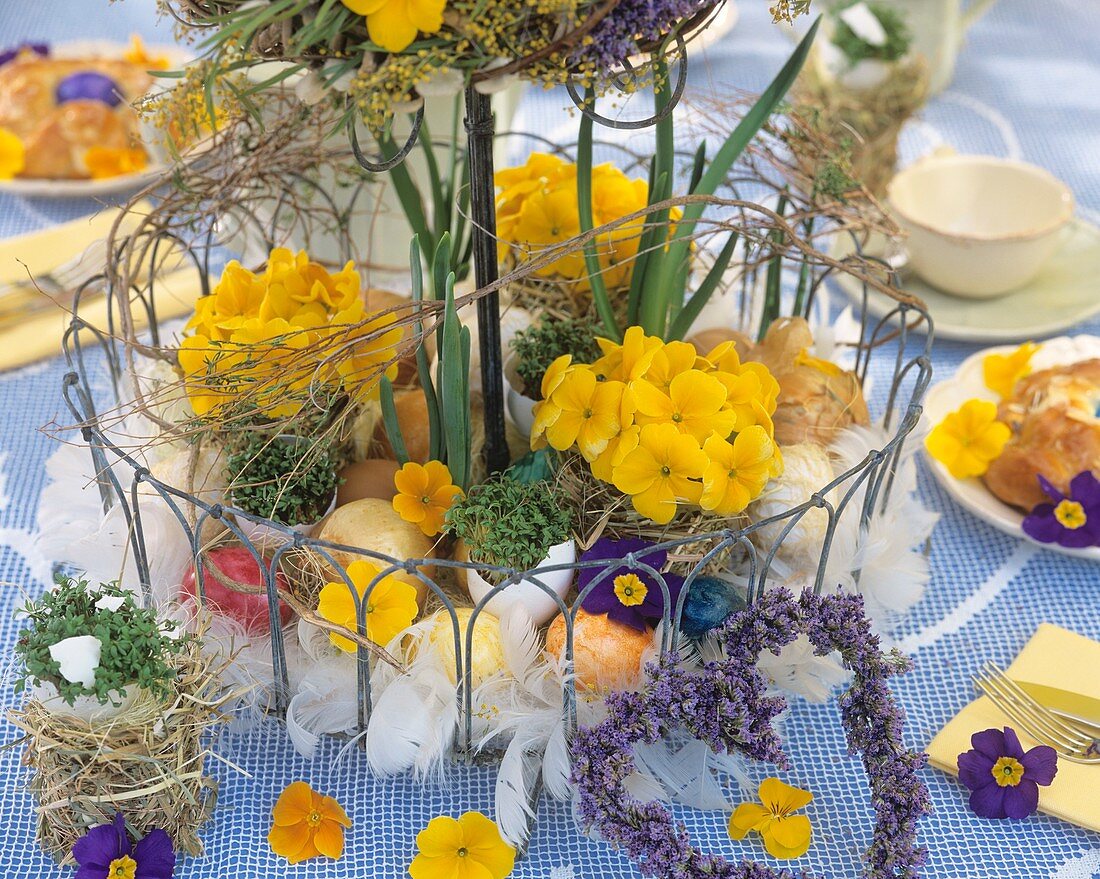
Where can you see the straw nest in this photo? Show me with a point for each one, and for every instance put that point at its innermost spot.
(869, 120)
(147, 762)
(604, 511)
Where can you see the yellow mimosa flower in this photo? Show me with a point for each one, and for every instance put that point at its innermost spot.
(469, 847)
(737, 471)
(659, 473)
(394, 24)
(968, 439)
(1002, 371)
(424, 494)
(785, 835)
(694, 404)
(391, 606)
(13, 155)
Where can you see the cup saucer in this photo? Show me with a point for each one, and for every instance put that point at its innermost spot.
(1064, 294)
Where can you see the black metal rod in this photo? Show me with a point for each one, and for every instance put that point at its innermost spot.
(479, 135)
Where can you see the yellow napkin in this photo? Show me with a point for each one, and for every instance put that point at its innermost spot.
(40, 336)
(1056, 657)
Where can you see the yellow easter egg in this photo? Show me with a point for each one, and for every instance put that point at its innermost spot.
(487, 653)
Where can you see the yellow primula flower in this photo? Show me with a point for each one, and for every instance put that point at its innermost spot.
(629, 361)
(394, 24)
(659, 473)
(555, 374)
(737, 471)
(694, 404)
(13, 155)
(103, 162)
(424, 494)
(469, 847)
(785, 835)
(618, 448)
(391, 605)
(669, 361)
(307, 824)
(968, 439)
(589, 413)
(138, 55)
(630, 590)
(1002, 371)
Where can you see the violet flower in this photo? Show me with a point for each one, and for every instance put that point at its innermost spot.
(1004, 779)
(628, 594)
(105, 852)
(9, 55)
(89, 85)
(1072, 520)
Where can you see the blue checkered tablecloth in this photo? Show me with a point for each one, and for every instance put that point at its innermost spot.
(1028, 84)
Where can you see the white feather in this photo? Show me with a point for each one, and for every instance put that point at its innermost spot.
(515, 787)
(683, 773)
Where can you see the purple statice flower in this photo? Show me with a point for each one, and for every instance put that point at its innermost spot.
(1004, 779)
(1071, 520)
(630, 25)
(9, 55)
(105, 852)
(725, 706)
(629, 593)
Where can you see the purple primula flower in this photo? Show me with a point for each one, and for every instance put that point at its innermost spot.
(629, 595)
(88, 85)
(9, 55)
(1003, 779)
(105, 852)
(1072, 520)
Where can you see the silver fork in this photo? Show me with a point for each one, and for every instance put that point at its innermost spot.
(53, 288)
(1070, 741)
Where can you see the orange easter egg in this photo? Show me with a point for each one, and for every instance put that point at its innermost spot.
(606, 655)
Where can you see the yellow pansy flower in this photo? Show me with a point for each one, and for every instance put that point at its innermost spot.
(307, 824)
(589, 413)
(103, 162)
(785, 835)
(1002, 371)
(737, 471)
(394, 24)
(968, 439)
(13, 155)
(659, 473)
(694, 404)
(469, 847)
(390, 608)
(424, 494)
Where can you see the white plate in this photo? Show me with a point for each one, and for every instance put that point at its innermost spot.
(1066, 292)
(44, 187)
(967, 384)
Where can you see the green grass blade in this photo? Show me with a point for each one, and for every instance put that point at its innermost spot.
(390, 422)
(584, 209)
(701, 296)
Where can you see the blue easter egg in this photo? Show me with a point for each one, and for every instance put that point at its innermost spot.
(710, 601)
(89, 85)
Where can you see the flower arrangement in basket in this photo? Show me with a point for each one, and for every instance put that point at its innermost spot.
(686, 444)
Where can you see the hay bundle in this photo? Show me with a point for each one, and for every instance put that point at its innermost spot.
(870, 120)
(602, 510)
(147, 762)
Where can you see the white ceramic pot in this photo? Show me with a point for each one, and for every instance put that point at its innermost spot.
(521, 409)
(527, 594)
(979, 226)
(86, 708)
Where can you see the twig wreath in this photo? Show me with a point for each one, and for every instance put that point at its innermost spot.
(725, 706)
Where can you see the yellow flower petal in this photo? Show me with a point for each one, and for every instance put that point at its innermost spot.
(442, 837)
(782, 797)
(390, 27)
(788, 837)
(746, 817)
(329, 839)
(13, 155)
